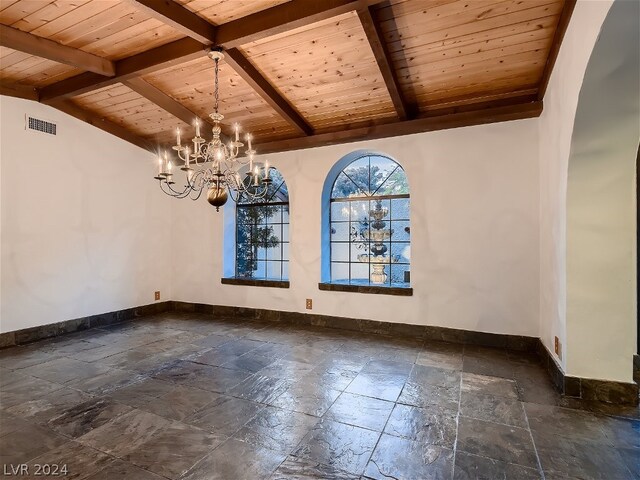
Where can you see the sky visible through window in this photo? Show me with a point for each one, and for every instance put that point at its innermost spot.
(370, 226)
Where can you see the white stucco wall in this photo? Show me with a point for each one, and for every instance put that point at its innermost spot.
(84, 230)
(555, 131)
(601, 220)
(474, 233)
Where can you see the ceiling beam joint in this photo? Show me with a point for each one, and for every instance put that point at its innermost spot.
(159, 58)
(193, 26)
(278, 19)
(283, 18)
(180, 18)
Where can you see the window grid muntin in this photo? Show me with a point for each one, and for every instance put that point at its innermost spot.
(264, 262)
(370, 198)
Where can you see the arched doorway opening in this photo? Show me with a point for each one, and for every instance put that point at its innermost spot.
(601, 222)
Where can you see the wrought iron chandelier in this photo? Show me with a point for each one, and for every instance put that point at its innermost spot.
(223, 177)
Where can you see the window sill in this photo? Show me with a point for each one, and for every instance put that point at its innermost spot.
(338, 287)
(251, 282)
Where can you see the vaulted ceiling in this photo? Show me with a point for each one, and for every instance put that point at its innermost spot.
(296, 73)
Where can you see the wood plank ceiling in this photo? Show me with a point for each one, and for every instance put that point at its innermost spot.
(297, 73)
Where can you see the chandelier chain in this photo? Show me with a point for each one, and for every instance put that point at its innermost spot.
(216, 87)
(228, 175)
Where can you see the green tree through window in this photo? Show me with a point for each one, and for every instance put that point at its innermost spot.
(262, 233)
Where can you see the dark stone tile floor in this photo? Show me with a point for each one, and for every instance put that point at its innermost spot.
(185, 396)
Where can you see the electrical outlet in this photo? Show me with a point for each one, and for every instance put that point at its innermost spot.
(557, 347)
(157, 296)
(309, 304)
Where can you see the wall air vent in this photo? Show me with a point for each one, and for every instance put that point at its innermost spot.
(39, 125)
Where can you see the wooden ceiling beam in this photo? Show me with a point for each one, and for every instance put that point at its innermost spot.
(180, 18)
(168, 104)
(161, 99)
(45, 48)
(530, 93)
(407, 127)
(263, 87)
(381, 53)
(202, 31)
(102, 123)
(563, 24)
(19, 91)
(159, 58)
(282, 18)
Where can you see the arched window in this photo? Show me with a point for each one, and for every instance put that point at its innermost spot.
(262, 233)
(369, 231)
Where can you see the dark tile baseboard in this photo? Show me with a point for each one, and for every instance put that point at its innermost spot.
(619, 393)
(511, 342)
(33, 334)
(583, 388)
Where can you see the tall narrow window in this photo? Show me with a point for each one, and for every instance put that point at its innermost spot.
(369, 224)
(262, 233)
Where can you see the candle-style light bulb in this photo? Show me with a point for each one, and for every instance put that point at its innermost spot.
(178, 135)
(169, 167)
(251, 162)
(266, 169)
(255, 176)
(159, 165)
(249, 141)
(236, 127)
(187, 157)
(197, 127)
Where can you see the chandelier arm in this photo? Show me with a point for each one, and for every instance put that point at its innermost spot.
(198, 176)
(163, 190)
(232, 184)
(198, 182)
(261, 191)
(247, 187)
(235, 196)
(169, 192)
(199, 190)
(177, 193)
